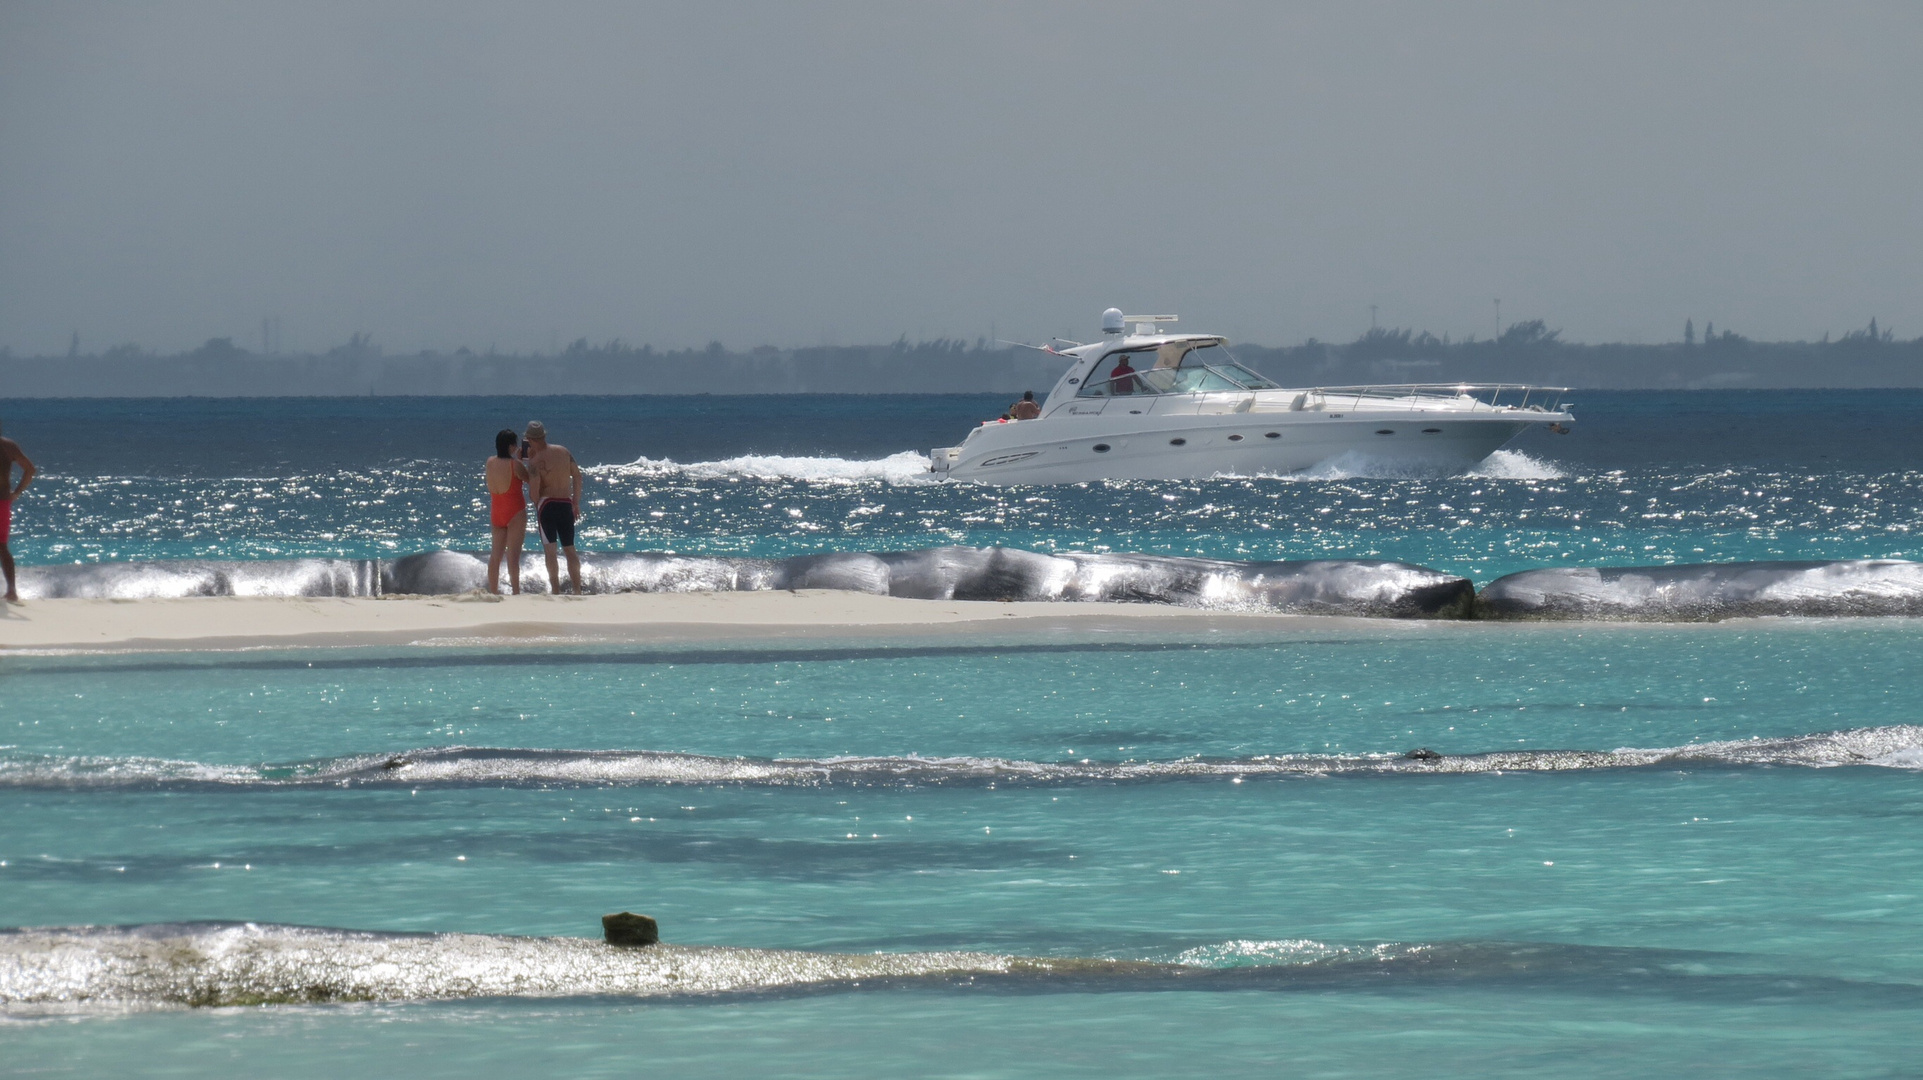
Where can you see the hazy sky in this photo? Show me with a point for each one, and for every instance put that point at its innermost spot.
(799, 173)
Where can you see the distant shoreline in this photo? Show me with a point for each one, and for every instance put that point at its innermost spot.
(1526, 353)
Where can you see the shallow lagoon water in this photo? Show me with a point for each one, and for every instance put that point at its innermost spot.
(1610, 917)
(1311, 687)
(1686, 903)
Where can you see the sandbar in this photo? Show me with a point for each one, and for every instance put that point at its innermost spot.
(227, 622)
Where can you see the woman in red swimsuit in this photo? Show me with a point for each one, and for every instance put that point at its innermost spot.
(507, 512)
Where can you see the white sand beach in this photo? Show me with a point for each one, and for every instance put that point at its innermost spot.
(289, 622)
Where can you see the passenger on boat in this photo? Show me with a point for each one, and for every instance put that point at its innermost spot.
(1025, 409)
(1121, 380)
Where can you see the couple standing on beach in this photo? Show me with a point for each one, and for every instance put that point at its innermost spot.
(553, 482)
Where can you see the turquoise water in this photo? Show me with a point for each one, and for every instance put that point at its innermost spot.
(1714, 914)
(1639, 849)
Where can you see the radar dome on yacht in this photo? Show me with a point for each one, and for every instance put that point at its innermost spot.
(1112, 321)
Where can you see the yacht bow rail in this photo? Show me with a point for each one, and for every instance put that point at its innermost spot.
(1520, 397)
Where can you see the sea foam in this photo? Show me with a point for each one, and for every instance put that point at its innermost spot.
(211, 964)
(1355, 587)
(1849, 587)
(906, 467)
(910, 467)
(1377, 587)
(1515, 465)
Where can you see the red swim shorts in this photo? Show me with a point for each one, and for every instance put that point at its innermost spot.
(6, 519)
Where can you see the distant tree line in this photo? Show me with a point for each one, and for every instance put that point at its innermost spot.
(1531, 352)
(1525, 352)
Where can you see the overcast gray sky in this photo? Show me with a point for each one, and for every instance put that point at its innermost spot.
(799, 173)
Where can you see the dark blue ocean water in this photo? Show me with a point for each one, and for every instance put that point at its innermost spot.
(1750, 902)
(1646, 478)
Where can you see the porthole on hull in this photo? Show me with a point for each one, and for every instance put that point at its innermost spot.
(1272, 435)
(1100, 448)
(1235, 438)
(1432, 431)
(1178, 442)
(1385, 431)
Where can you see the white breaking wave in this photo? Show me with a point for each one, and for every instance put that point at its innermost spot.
(910, 467)
(1515, 465)
(1244, 953)
(1356, 465)
(215, 964)
(1898, 746)
(1501, 465)
(906, 467)
(101, 771)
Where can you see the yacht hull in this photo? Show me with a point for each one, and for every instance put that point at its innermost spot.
(1072, 449)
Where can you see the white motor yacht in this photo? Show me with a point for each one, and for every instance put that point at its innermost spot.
(1144, 404)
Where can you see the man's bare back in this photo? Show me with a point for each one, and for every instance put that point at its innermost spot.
(552, 474)
(554, 481)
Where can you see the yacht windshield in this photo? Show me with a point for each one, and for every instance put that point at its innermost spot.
(1210, 367)
(1237, 371)
(1175, 367)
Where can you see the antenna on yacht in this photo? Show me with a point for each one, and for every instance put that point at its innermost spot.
(1145, 324)
(1049, 349)
(1113, 321)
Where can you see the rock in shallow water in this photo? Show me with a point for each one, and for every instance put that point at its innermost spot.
(627, 928)
(1709, 591)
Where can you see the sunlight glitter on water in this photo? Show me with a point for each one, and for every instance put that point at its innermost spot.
(1520, 516)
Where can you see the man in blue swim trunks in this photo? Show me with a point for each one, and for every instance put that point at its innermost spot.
(554, 483)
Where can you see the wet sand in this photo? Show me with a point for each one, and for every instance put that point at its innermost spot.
(718, 617)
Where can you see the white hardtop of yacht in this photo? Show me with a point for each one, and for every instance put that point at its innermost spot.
(1147, 404)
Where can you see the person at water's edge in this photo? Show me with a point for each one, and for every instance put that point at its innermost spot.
(554, 482)
(507, 510)
(11, 455)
